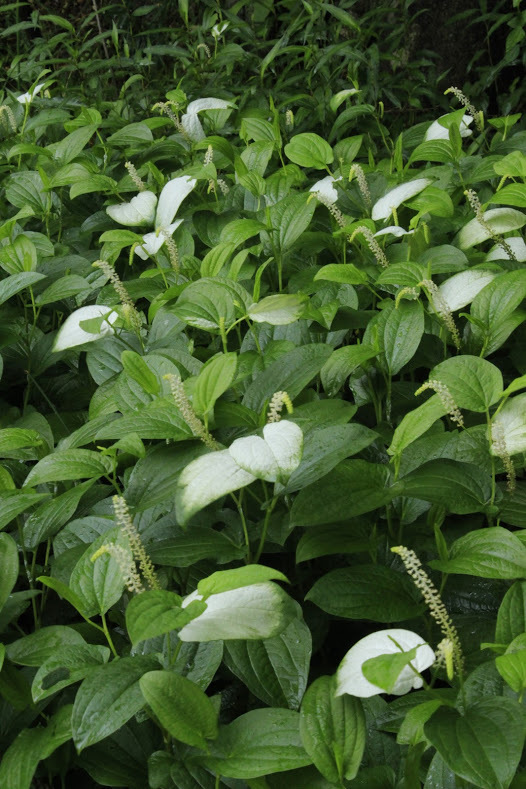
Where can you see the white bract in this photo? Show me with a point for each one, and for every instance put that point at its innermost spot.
(512, 423)
(248, 612)
(394, 230)
(272, 458)
(461, 288)
(350, 678)
(496, 221)
(27, 98)
(384, 207)
(517, 246)
(438, 132)
(71, 334)
(145, 209)
(326, 189)
(190, 120)
(220, 28)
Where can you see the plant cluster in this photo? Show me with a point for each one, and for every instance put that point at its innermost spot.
(263, 428)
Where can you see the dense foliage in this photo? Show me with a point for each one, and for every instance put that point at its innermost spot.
(263, 432)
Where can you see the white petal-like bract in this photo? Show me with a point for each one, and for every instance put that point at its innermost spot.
(438, 132)
(207, 104)
(326, 189)
(350, 678)
(250, 612)
(139, 211)
(171, 197)
(383, 208)
(496, 221)
(206, 479)
(461, 288)
(285, 439)
(512, 423)
(70, 333)
(517, 246)
(254, 455)
(152, 242)
(394, 230)
(27, 98)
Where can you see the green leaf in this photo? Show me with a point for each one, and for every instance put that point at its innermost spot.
(35, 648)
(193, 546)
(290, 373)
(324, 448)
(370, 592)
(275, 669)
(290, 218)
(214, 378)
(346, 273)
(261, 742)
(9, 565)
(158, 419)
(512, 194)
(63, 288)
(181, 707)
(332, 730)
(21, 759)
(416, 423)
(14, 502)
(433, 151)
(335, 538)
(240, 230)
(70, 146)
(108, 698)
(226, 580)
(99, 584)
(309, 150)
(401, 335)
(474, 383)
(353, 488)
(488, 553)
(68, 664)
(278, 310)
(69, 464)
(17, 282)
(484, 745)
(512, 665)
(156, 612)
(137, 368)
(342, 363)
(384, 670)
(48, 519)
(134, 134)
(511, 618)
(460, 487)
(205, 303)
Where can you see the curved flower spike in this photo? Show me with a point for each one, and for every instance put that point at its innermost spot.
(350, 678)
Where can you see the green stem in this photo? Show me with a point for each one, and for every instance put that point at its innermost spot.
(264, 531)
(108, 636)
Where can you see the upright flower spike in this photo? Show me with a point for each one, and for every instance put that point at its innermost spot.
(187, 412)
(350, 677)
(7, 112)
(442, 309)
(499, 448)
(126, 564)
(373, 245)
(446, 398)
(278, 400)
(128, 305)
(474, 202)
(431, 595)
(124, 520)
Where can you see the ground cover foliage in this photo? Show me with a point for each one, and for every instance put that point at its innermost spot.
(263, 424)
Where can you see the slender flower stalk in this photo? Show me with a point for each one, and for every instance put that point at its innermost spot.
(437, 609)
(500, 449)
(278, 400)
(470, 109)
(442, 309)
(134, 175)
(446, 398)
(126, 564)
(8, 113)
(127, 303)
(124, 520)
(356, 170)
(373, 245)
(334, 210)
(187, 412)
(289, 119)
(474, 202)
